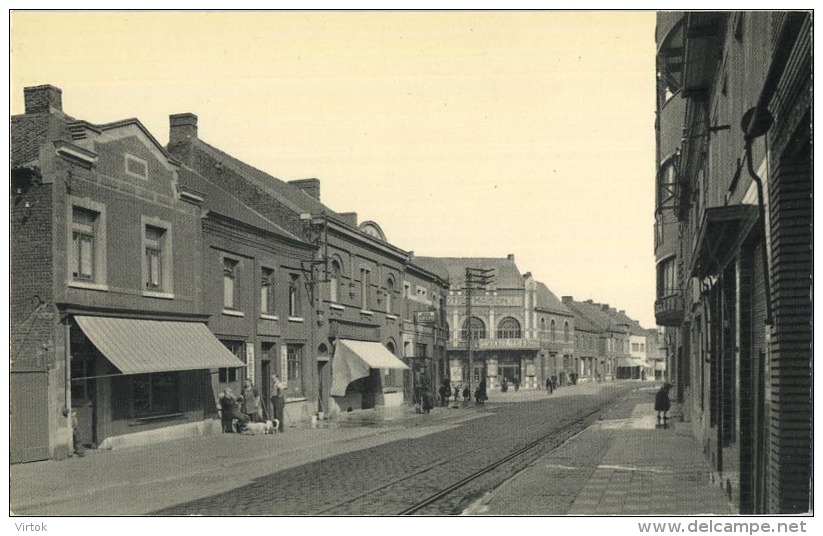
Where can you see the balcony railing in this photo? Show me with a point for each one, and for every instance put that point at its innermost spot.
(669, 310)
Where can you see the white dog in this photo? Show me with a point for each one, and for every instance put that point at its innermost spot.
(257, 428)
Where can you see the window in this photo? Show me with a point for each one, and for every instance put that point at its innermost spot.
(84, 232)
(229, 283)
(476, 327)
(156, 394)
(267, 291)
(420, 350)
(157, 275)
(365, 284)
(294, 372)
(666, 278)
(294, 296)
(389, 293)
(334, 281)
(566, 335)
(509, 328)
(542, 325)
(551, 328)
(228, 375)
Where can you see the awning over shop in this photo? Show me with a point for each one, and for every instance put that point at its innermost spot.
(353, 359)
(630, 362)
(659, 365)
(140, 346)
(721, 233)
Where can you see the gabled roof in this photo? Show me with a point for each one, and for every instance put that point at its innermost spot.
(548, 301)
(294, 198)
(433, 265)
(223, 202)
(591, 312)
(506, 273)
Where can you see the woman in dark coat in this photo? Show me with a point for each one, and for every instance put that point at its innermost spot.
(662, 402)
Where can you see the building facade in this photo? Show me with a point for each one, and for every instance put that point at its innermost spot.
(733, 244)
(106, 303)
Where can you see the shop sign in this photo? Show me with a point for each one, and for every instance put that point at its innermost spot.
(486, 301)
(425, 317)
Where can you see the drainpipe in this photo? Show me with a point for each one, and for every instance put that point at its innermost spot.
(761, 205)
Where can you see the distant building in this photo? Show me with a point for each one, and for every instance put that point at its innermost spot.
(733, 244)
(505, 326)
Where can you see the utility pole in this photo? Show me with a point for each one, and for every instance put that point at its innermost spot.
(478, 278)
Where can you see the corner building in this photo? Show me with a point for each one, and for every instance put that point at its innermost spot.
(733, 244)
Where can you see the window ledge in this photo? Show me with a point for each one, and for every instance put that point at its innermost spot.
(391, 316)
(161, 295)
(296, 319)
(337, 307)
(232, 312)
(366, 312)
(152, 418)
(296, 399)
(269, 317)
(89, 286)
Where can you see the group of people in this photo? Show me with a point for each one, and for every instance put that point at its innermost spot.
(236, 412)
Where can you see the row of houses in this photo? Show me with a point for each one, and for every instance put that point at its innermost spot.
(733, 244)
(146, 279)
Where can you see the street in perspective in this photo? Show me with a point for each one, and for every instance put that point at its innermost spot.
(516, 296)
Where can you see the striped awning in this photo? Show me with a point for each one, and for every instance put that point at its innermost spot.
(140, 346)
(354, 359)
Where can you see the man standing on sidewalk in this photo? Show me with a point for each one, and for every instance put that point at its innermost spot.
(278, 401)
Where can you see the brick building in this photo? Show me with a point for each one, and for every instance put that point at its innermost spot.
(733, 244)
(339, 339)
(106, 306)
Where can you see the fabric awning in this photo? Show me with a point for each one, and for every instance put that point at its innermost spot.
(660, 365)
(353, 359)
(141, 346)
(630, 362)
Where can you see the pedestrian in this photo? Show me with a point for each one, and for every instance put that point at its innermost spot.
(230, 412)
(466, 393)
(258, 406)
(278, 401)
(516, 382)
(549, 386)
(79, 450)
(444, 394)
(480, 394)
(504, 385)
(248, 400)
(428, 401)
(662, 404)
(456, 392)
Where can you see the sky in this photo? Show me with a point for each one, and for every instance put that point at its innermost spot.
(462, 134)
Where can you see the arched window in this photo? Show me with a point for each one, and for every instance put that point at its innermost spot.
(478, 329)
(509, 328)
(334, 280)
(542, 325)
(566, 335)
(389, 293)
(553, 334)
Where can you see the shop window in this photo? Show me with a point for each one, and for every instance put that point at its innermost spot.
(294, 366)
(155, 394)
(231, 374)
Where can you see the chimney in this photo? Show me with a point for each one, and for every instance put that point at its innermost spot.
(621, 311)
(510, 256)
(349, 218)
(590, 302)
(310, 186)
(43, 99)
(604, 307)
(182, 128)
(568, 299)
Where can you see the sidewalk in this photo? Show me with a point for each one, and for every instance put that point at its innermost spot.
(622, 465)
(124, 480)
